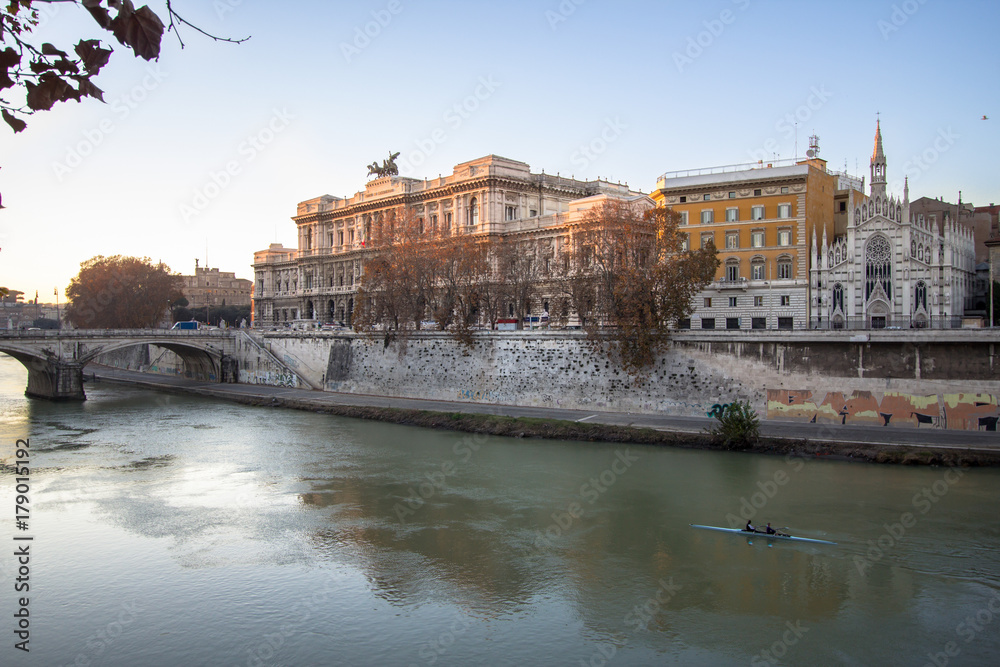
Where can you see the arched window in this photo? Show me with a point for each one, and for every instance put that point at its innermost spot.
(784, 267)
(732, 269)
(473, 212)
(838, 297)
(920, 296)
(878, 266)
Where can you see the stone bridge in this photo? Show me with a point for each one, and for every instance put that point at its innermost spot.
(55, 358)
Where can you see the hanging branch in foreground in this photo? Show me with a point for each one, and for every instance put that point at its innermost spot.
(46, 74)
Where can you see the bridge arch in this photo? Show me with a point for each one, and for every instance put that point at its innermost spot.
(55, 361)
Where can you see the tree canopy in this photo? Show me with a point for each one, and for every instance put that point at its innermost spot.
(121, 293)
(633, 278)
(416, 271)
(626, 272)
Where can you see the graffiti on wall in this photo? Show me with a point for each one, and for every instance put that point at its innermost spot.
(718, 410)
(478, 395)
(973, 412)
(269, 378)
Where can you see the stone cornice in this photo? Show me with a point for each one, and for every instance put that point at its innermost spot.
(475, 184)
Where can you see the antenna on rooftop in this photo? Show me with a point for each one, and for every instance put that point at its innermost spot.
(814, 147)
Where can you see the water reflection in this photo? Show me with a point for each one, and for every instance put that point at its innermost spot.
(371, 542)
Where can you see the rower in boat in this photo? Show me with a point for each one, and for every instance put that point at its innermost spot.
(772, 531)
(778, 535)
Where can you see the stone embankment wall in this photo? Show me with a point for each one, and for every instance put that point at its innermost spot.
(947, 379)
(522, 368)
(922, 379)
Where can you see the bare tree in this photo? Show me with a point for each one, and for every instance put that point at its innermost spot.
(631, 279)
(517, 275)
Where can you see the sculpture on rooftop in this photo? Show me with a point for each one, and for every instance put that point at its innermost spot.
(388, 167)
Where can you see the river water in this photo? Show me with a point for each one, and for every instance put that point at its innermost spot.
(173, 530)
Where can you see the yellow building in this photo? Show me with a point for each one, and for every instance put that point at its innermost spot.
(761, 217)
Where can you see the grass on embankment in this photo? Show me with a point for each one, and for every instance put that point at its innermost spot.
(528, 427)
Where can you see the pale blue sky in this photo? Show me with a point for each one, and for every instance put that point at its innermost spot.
(304, 106)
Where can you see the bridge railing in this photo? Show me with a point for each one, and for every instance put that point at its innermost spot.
(116, 333)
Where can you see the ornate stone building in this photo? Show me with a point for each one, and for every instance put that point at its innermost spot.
(492, 195)
(211, 287)
(879, 266)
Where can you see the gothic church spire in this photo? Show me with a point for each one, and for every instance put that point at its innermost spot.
(878, 165)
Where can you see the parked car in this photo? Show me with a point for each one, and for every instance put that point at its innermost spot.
(193, 324)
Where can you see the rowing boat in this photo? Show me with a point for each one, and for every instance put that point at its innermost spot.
(740, 531)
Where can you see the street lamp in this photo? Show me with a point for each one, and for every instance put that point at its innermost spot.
(55, 290)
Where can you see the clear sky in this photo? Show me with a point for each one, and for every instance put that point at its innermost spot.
(213, 145)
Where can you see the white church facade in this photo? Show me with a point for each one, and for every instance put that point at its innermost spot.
(883, 268)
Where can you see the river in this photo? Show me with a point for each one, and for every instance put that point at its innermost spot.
(174, 530)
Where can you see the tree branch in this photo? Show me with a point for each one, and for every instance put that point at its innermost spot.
(180, 19)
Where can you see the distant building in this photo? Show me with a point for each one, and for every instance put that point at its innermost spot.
(994, 212)
(211, 287)
(12, 310)
(937, 212)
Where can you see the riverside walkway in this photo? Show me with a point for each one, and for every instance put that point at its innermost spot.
(937, 438)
